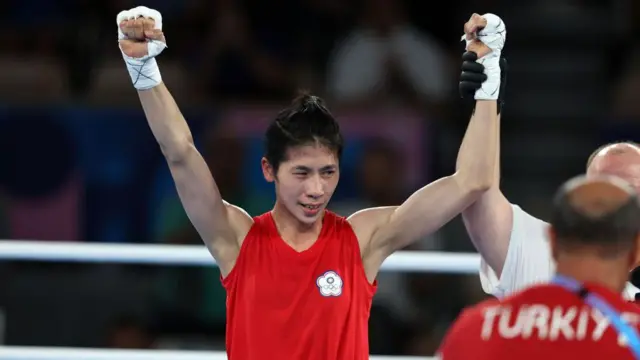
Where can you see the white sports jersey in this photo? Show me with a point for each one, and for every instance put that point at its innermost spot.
(528, 259)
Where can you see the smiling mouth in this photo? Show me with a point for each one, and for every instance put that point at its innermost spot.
(311, 207)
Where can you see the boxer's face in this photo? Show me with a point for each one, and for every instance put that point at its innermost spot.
(305, 181)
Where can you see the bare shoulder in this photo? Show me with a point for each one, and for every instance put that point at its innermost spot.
(239, 220)
(365, 222)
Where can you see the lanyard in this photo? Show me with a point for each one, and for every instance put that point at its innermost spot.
(597, 302)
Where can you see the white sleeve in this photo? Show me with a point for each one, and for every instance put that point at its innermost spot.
(528, 258)
(357, 66)
(423, 62)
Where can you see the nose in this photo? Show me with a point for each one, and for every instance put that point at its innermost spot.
(315, 187)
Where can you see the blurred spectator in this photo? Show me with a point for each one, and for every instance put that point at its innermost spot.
(31, 27)
(379, 176)
(386, 58)
(83, 38)
(40, 179)
(127, 332)
(424, 342)
(623, 121)
(625, 101)
(319, 24)
(239, 62)
(387, 332)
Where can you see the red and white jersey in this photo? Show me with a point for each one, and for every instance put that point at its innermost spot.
(544, 322)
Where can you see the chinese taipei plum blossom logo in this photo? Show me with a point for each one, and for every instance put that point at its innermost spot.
(330, 284)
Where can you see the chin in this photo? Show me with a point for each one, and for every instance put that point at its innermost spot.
(306, 219)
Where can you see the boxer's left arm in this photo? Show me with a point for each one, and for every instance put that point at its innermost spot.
(381, 231)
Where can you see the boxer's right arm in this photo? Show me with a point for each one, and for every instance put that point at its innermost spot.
(489, 222)
(489, 219)
(513, 246)
(221, 225)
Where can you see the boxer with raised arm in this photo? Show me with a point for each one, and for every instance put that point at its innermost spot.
(300, 279)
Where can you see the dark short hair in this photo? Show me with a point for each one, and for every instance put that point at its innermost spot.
(306, 121)
(596, 151)
(613, 231)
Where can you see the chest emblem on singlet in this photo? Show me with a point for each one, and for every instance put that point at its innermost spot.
(329, 284)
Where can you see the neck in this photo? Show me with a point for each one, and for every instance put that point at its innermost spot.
(291, 229)
(588, 269)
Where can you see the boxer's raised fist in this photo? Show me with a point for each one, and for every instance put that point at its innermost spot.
(476, 22)
(140, 32)
(137, 29)
(485, 34)
(485, 37)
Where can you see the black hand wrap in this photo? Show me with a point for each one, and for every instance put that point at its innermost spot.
(473, 76)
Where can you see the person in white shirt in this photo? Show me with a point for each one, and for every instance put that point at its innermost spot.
(513, 244)
(385, 46)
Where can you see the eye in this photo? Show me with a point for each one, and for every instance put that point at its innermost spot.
(300, 173)
(328, 172)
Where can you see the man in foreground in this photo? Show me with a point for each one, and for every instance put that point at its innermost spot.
(594, 236)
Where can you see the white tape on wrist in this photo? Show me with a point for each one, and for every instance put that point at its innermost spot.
(144, 71)
(494, 35)
(145, 74)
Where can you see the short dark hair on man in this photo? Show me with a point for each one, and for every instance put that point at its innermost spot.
(306, 121)
(612, 230)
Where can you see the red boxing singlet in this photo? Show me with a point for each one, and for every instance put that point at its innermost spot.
(289, 305)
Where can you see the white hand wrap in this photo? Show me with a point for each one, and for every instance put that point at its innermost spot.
(144, 71)
(494, 35)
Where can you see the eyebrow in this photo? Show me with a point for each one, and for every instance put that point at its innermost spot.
(308, 169)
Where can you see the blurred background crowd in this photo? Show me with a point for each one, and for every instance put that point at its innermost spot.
(78, 163)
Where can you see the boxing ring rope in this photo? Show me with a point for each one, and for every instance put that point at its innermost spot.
(192, 255)
(45, 353)
(197, 255)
